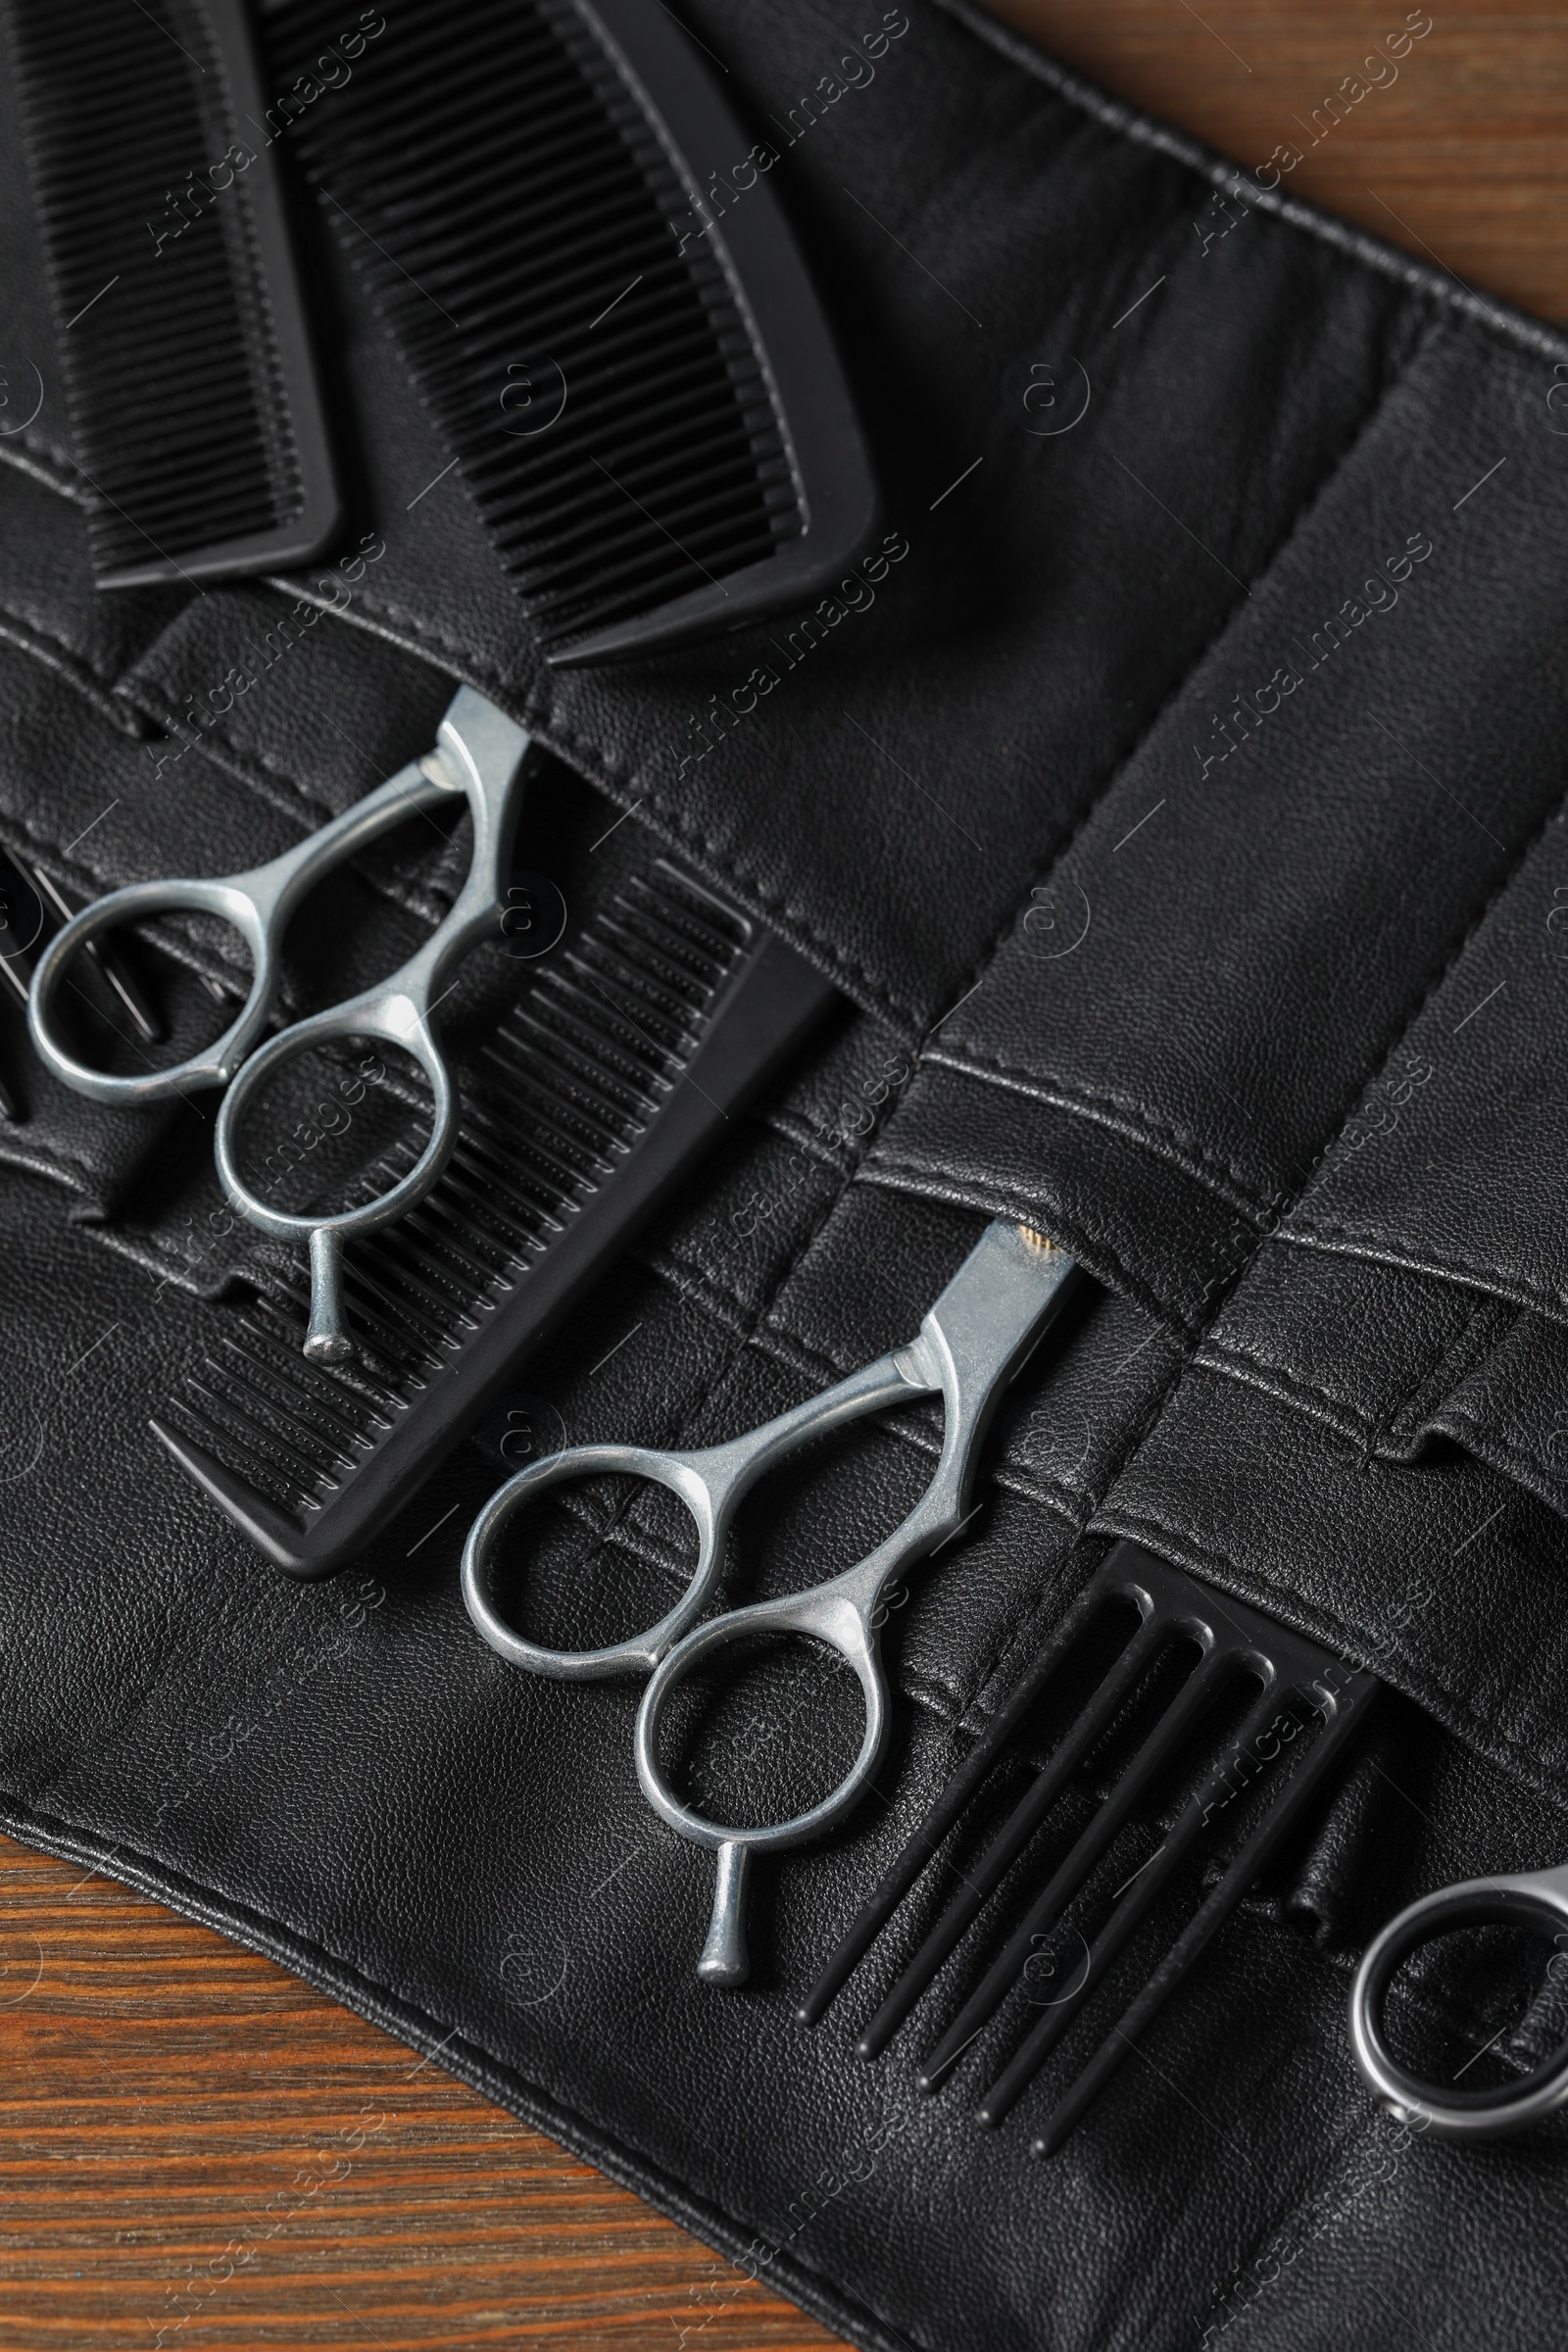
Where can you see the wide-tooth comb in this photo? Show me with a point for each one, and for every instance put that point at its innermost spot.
(586, 1110)
(644, 400)
(192, 395)
(1297, 1678)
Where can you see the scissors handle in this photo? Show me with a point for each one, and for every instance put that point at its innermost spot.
(710, 1482)
(257, 903)
(840, 1614)
(972, 1341)
(480, 753)
(970, 1345)
(1537, 1899)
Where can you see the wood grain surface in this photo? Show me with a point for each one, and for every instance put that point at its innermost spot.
(1457, 154)
(198, 2152)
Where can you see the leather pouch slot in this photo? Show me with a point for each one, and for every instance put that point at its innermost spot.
(1418, 1289)
(49, 608)
(1510, 1406)
(1443, 1577)
(1451, 1164)
(1196, 993)
(1371, 1438)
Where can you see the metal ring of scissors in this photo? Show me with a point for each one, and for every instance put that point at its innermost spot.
(1535, 1898)
(970, 1345)
(479, 753)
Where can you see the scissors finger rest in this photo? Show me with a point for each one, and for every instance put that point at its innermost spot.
(1536, 1899)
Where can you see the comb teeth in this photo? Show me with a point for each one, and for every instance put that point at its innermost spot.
(1296, 1678)
(579, 1116)
(565, 201)
(545, 267)
(194, 417)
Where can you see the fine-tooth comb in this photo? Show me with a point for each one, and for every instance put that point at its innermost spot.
(1272, 1750)
(583, 1113)
(641, 395)
(193, 399)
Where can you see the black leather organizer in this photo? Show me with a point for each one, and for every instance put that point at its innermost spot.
(1175, 798)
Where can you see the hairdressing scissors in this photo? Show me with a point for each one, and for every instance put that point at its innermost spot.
(1527, 1899)
(480, 754)
(970, 1345)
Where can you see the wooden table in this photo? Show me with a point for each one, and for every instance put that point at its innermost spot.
(165, 2096)
(1461, 159)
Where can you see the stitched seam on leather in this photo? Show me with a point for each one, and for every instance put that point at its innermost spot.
(44, 845)
(1495, 1447)
(721, 1303)
(1351, 1420)
(1256, 1371)
(64, 659)
(1373, 1432)
(1108, 1509)
(299, 801)
(1210, 164)
(299, 804)
(400, 617)
(1304, 1234)
(1420, 336)
(1489, 1734)
(60, 1166)
(1168, 1392)
(588, 756)
(1335, 1240)
(1165, 1137)
(1001, 1201)
(1448, 1366)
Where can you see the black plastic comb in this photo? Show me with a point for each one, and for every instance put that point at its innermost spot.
(189, 382)
(1257, 1780)
(643, 398)
(586, 1111)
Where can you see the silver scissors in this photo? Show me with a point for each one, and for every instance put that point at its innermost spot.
(479, 753)
(972, 1342)
(1527, 1899)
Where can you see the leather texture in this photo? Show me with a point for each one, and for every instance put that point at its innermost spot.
(1180, 815)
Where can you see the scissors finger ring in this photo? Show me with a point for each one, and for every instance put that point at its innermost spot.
(1530, 1899)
